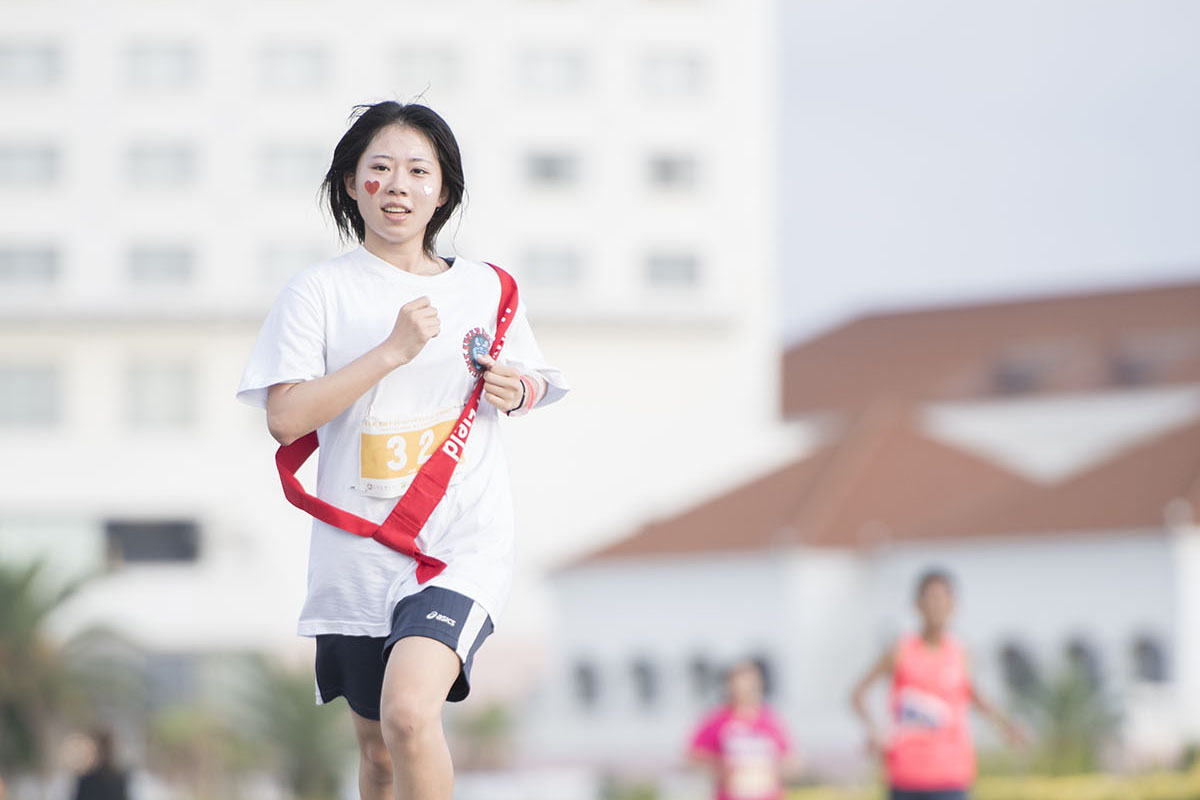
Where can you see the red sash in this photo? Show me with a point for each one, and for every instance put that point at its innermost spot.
(399, 531)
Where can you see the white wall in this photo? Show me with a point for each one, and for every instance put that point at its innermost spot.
(826, 615)
(676, 390)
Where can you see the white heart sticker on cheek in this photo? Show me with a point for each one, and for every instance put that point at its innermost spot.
(428, 190)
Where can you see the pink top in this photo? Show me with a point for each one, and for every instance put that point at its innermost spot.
(931, 747)
(749, 752)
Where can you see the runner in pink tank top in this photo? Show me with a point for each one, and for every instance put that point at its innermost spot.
(927, 750)
(744, 743)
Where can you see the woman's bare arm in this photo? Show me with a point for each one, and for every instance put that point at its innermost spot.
(858, 698)
(294, 409)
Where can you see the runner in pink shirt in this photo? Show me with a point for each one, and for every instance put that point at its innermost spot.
(744, 742)
(927, 749)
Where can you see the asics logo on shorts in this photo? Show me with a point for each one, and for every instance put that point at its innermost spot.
(440, 618)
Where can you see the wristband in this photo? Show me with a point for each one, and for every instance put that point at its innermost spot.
(517, 407)
(529, 398)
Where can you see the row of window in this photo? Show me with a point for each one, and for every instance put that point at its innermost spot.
(590, 684)
(175, 164)
(702, 676)
(157, 395)
(150, 65)
(173, 265)
(1146, 658)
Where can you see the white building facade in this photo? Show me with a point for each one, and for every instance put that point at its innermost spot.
(1073, 540)
(159, 167)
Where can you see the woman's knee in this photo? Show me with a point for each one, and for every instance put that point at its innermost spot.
(408, 718)
(376, 764)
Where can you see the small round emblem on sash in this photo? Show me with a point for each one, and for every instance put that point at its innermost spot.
(475, 344)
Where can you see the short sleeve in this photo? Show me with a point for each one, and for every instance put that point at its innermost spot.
(290, 345)
(522, 352)
(707, 737)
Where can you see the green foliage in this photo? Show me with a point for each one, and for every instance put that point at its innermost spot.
(1094, 786)
(617, 789)
(35, 684)
(309, 744)
(1073, 723)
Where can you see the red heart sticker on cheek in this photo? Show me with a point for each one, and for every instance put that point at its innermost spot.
(371, 186)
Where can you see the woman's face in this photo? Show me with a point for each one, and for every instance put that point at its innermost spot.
(397, 185)
(744, 685)
(936, 604)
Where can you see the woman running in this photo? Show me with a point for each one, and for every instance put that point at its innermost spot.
(744, 743)
(927, 751)
(382, 351)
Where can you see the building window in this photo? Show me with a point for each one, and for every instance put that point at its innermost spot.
(672, 270)
(551, 71)
(645, 682)
(293, 66)
(28, 266)
(702, 676)
(585, 680)
(161, 164)
(161, 265)
(279, 262)
(30, 65)
(1129, 370)
(552, 267)
(436, 68)
(292, 165)
(1017, 667)
(160, 65)
(673, 74)
(28, 164)
(1084, 661)
(672, 171)
(1149, 659)
(160, 395)
(548, 169)
(151, 541)
(1016, 376)
(30, 395)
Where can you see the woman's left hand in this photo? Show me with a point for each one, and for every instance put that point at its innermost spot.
(501, 384)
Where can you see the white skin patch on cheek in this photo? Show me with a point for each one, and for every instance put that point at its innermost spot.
(428, 189)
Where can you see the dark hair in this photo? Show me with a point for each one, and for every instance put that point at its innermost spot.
(368, 121)
(932, 576)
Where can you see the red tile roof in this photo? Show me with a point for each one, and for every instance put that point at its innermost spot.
(1069, 343)
(883, 481)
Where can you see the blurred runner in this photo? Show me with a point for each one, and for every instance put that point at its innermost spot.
(105, 780)
(744, 743)
(927, 749)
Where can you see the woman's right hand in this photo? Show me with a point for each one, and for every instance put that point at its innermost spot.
(877, 741)
(416, 324)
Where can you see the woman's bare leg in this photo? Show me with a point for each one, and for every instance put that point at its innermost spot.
(375, 777)
(419, 674)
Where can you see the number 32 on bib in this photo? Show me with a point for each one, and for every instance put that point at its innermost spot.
(391, 451)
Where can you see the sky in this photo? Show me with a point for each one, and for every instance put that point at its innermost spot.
(935, 151)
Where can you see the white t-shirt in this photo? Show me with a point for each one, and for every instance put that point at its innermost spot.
(327, 316)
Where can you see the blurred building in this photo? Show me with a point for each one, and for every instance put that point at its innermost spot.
(159, 165)
(1047, 452)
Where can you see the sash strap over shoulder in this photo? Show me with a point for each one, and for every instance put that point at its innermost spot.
(402, 526)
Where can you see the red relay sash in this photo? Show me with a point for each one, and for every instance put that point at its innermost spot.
(399, 531)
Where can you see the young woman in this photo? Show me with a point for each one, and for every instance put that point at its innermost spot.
(378, 350)
(927, 751)
(744, 743)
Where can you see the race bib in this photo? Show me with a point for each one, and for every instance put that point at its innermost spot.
(921, 710)
(755, 780)
(391, 451)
